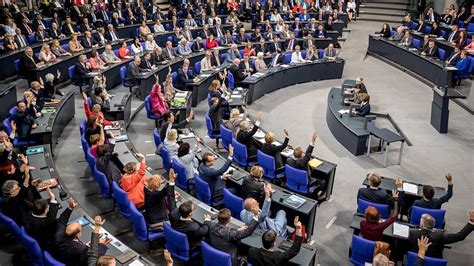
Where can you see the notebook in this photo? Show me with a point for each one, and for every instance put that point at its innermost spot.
(410, 188)
(401, 230)
(294, 201)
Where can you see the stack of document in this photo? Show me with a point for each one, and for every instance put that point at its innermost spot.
(401, 230)
(186, 136)
(236, 96)
(259, 134)
(287, 152)
(451, 68)
(410, 188)
(205, 75)
(181, 95)
(343, 111)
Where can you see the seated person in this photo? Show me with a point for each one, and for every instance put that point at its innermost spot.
(46, 55)
(385, 32)
(372, 227)
(133, 181)
(109, 56)
(74, 45)
(183, 47)
(358, 90)
(274, 150)
(81, 69)
(431, 50)
(312, 53)
(156, 210)
(88, 41)
(227, 239)
(438, 238)
(267, 256)
(330, 52)
(168, 123)
(364, 108)
(253, 185)
(108, 162)
(147, 62)
(197, 46)
(215, 177)
(407, 40)
(246, 66)
(233, 53)
(206, 62)
(428, 202)
(377, 195)
(235, 119)
(28, 64)
(248, 49)
(17, 202)
(134, 70)
(67, 247)
(236, 71)
(123, 51)
(96, 140)
(296, 56)
(96, 110)
(398, 35)
(187, 157)
(462, 65)
(95, 61)
(170, 142)
(245, 137)
(424, 44)
(260, 63)
(211, 42)
(100, 97)
(24, 120)
(185, 78)
(251, 209)
(453, 59)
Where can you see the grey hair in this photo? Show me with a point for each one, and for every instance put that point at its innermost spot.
(380, 260)
(427, 221)
(49, 77)
(8, 187)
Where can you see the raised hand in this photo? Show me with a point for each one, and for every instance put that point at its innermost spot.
(314, 137)
(449, 177)
(297, 222)
(231, 150)
(71, 203)
(172, 176)
(286, 132)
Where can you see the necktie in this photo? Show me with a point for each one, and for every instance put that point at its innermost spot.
(275, 59)
(291, 45)
(105, 15)
(28, 29)
(22, 42)
(114, 37)
(89, 42)
(93, 17)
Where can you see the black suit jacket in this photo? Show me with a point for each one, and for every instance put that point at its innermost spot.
(301, 163)
(43, 228)
(66, 250)
(453, 59)
(80, 71)
(196, 47)
(364, 109)
(261, 48)
(156, 204)
(54, 33)
(438, 239)
(431, 52)
(87, 44)
(17, 40)
(260, 256)
(318, 32)
(274, 151)
(237, 73)
(27, 66)
(246, 138)
(183, 79)
(108, 35)
(253, 188)
(378, 195)
(65, 29)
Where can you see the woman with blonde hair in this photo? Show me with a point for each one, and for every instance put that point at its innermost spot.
(46, 55)
(171, 142)
(156, 207)
(57, 50)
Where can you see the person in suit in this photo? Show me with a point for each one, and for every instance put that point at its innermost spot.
(431, 15)
(290, 43)
(41, 223)
(184, 78)
(262, 47)
(330, 52)
(216, 108)
(215, 177)
(431, 50)
(134, 70)
(364, 108)
(168, 123)
(377, 195)
(421, 26)
(428, 202)
(28, 63)
(267, 256)
(251, 209)
(93, 254)
(426, 41)
(156, 199)
(108, 162)
(111, 34)
(235, 70)
(197, 45)
(407, 40)
(147, 62)
(158, 57)
(86, 26)
(67, 27)
(398, 35)
(274, 150)
(168, 51)
(181, 220)
(227, 39)
(296, 56)
(245, 137)
(453, 59)
(246, 66)
(435, 30)
(277, 59)
(16, 194)
(215, 59)
(25, 27)
(233, 53)
(109, 56)
(242, 37)
(320, 32)
(67, 247)
(253, 185)
(438, 238)
(219, 31)
(454, 35)
(205, 32)
(462, 65)
(88, 41)
(227, 239)
(183, 47)
(55, 32)
(81, 69)
(206, 62)
(41, 35)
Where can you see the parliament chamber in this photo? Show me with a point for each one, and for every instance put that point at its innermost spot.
(233, 132)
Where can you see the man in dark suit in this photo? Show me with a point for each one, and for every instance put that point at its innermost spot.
(262, 47)
(227, 39)
(168, 51)
(235, 70)
(25, 27)
(28, 63)
(431, 15)
(320, 32)
(438, 238)
(86, 26)
(290, 43)
(134, 69)
(181, 220)
(215, 177)
(266, 256)
(157, 57)
(20, 39)
(245, 137)
(377, 195)
(88, 41)
(67, 247)
(426, 41)
(428, 202)
(215, 58)
(168, 119)
(246, 66)
(219, 31)
(431, 50)
(176, 36)
(24, 119)
(55, 32)
(67, 27)
(242, 37)
(38, 21)
(364, 108)
(227, 239)
(184, 78)
(300, 160)
(108, 163)
(205, 32)
(111, 34)
(454, 35)
(41, 223)
(81, 69)
(453, 59)
(103, 14)
(197, 45)
(278, 59)
(147, 62)
(275, 45)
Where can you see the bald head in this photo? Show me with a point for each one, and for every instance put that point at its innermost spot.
(73, 230)
(236, 61)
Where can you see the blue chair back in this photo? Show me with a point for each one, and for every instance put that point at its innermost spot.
(139, 226)
(461, 24)
(176, 243)
(230, 78)
(233, 203)
(427, 261)
(89, 102)
(12, 111)
(210, 128)
(65, 46)
(85, 146)
(428, 29)
(165, 156)
(17, 65)
(156, 137)
(442, 33)
(296, 179)
(7, 126)
(287, 58)
(417, 212)
(223, 57)
(122, 203)
(442, 53)
(181, 174)
(82, 126)
(103, 183)
(10, 224)
(203, 192)
(320, 53)
(240, 153)
(226, 135)
(214, 257)
(383, 209)
(70, 72)
(415, 25)
(123, 74)
(50, 261)
(197, 67)
(362, 250)
(416, 43)
(268, 164)
(174, 76)
(303, 54)
(470, 27)
(32, 248)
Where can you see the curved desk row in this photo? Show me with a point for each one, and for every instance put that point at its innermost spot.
(46, 170)
(432, 70)
(7, 99)
(286, 75)
(349, 131)
(53, 120)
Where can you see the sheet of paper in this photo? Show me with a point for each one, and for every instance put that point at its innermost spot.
(344, 111)
(236, 96)
(259, 134)
(401, 230)
(451, 68)
(287, 153)
(410, 188)
(181, 95)
(136, 263)
(188, 136)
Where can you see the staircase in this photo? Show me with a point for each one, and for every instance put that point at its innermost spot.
(390, 11)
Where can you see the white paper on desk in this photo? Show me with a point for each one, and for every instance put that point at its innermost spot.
(236, 96)
(343, 111)
(136, 263)
(259, 134)
(451, 68)
(205, 75)
(111, 128)
(181, 95)
(285, 65)
(230, 169)
(410, 188)
(287, 153)
(401, 230)
(440, 39)
(188, 136)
